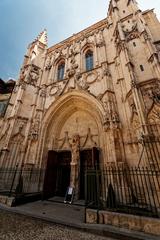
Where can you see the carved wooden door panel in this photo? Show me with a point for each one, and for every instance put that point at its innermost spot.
(89, 159)
(95, 158)
(50, 175)
(63, 173)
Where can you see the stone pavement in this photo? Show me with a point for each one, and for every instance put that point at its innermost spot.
(19, 227)
(73, 216)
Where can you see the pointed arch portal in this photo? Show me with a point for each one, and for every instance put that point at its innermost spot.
(73, 116)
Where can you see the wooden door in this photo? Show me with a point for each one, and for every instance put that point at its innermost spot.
(89, 159)
(50, 175)
(63, 173)
(95, 158)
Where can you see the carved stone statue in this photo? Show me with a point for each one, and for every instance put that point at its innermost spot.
(48, 63)
(106, 72)
(81, 81)
(100, 41)
(43, 91)
(75, 148)
(35, 128)
(23, 74)
(106, 122)
(72, 70)
(33, 76)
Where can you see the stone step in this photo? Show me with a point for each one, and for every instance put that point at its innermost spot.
(7, 200)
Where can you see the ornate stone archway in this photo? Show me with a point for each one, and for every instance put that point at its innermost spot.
(74, 122)
(74, 113)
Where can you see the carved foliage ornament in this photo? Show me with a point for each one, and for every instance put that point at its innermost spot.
(132, 36)
(33, 75)
(4, 136)
(56, 90)
(111, 118)
(146, 36)
(100, 40)
(34, 132)
(73, 51)
(58, 54)
(48, 64)
(91, 77)
(23, 74)
(106, 72)
(132, 107)
(81, 81)
(72, 70)
(151, 95)
(43, 91)
(83, 141)
(20, 130)
(121, 45)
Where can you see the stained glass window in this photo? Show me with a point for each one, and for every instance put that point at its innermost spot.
(60, 74)
(89, 60)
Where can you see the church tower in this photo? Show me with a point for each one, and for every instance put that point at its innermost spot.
(137, 64)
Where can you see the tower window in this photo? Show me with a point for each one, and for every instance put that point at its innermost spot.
(60, 74)
(142, 68)
(89, 60)
(134, 44)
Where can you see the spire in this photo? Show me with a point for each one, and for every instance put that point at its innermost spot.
(122, 9)
(33, 48)
(42, 37)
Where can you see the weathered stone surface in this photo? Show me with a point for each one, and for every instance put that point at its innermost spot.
(6, 200)
(91, 216)
(123, 221)
(3, 199)
(151, 226)
(112, 105)
(135, 223)
(16, 227)
(131, 222)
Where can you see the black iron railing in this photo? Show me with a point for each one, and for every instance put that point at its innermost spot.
(120, 189)
(18, 181)
(127, 190)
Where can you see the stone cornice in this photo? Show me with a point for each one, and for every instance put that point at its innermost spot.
(77, 36)
(147, 11)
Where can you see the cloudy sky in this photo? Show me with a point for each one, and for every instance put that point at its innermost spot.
(21, 22)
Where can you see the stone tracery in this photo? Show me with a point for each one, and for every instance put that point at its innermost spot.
(87, 109)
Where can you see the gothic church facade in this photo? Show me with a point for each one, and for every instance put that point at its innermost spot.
(90, 100)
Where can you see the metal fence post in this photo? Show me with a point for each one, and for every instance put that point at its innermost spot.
(14, 176)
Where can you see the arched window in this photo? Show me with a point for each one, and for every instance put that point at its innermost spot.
(89, 60)
(60, 73)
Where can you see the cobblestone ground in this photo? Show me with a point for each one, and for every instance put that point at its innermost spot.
(18, 227)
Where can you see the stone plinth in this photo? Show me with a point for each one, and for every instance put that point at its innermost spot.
(127, 221)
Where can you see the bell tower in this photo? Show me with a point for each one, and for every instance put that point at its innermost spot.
(137, 65)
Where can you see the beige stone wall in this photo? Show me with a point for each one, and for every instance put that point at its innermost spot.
(109, 106)
(153, 24)
(126, 221)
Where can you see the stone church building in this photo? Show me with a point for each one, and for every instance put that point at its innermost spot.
(90, 101)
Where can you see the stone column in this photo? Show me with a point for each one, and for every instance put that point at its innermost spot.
(75, 163)
(95, 52)
(66, 63)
